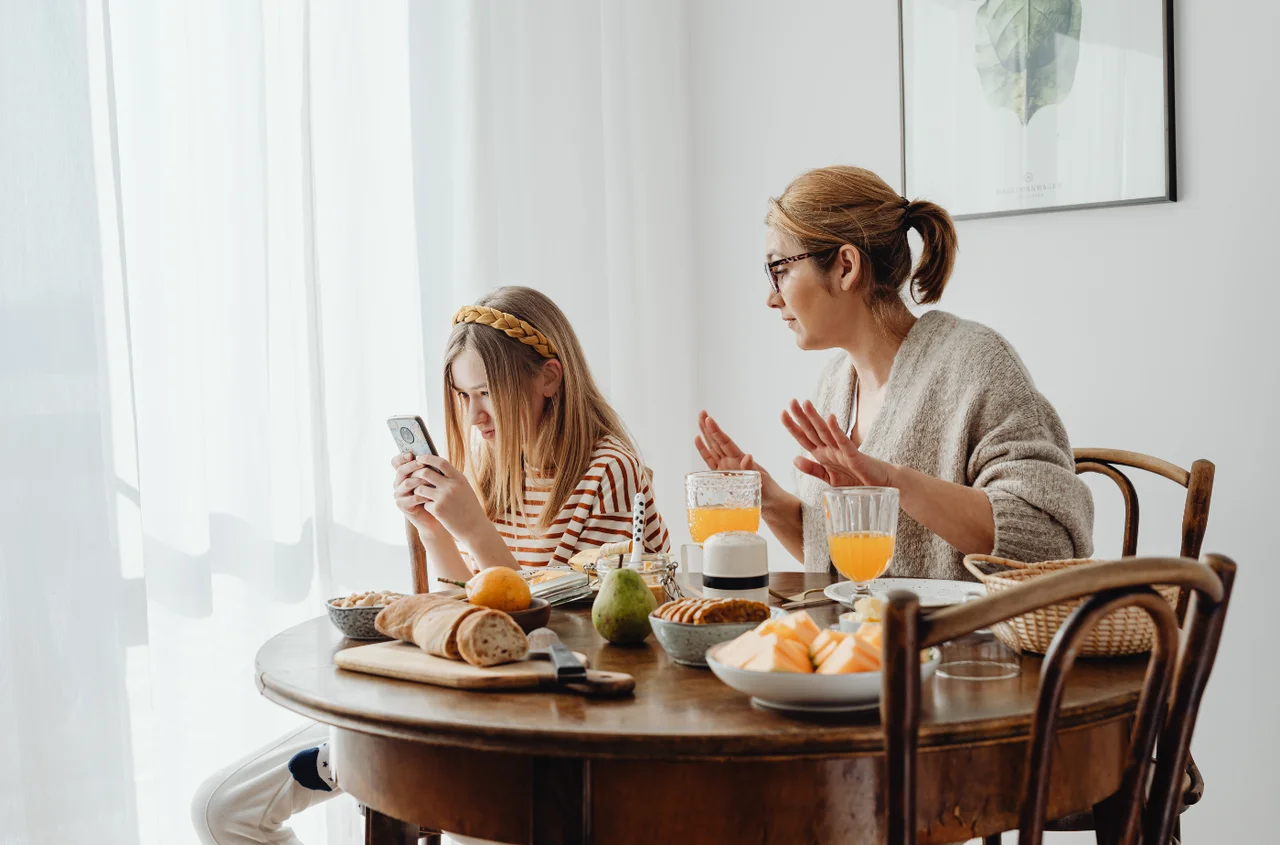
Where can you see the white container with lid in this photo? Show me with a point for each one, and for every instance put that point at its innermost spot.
(735, 565)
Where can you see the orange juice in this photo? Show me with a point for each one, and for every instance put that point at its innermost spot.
(861, 555)
(703, 522)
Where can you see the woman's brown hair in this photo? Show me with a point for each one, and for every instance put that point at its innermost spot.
(828, 207)
(574, 420)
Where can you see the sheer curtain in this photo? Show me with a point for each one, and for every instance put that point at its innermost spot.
(231, 237)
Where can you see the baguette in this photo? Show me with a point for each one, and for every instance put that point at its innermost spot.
(491, 637)
(430, 622)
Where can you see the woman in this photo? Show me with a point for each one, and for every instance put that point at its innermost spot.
(541, 468)
(939, 407)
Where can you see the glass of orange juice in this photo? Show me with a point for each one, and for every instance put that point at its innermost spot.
(861, 525)
(722, 500)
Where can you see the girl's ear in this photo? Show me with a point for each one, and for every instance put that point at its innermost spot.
(552, 376)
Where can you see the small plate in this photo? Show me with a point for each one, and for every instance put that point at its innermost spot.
(933, 592)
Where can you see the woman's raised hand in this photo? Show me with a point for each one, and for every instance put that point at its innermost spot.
(835, 459)
(718, 450)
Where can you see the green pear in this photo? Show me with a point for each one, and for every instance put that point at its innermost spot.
(621, 610)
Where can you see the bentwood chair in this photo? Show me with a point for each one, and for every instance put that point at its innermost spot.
(1149, 798)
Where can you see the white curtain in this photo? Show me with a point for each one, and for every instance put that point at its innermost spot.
(231, 237)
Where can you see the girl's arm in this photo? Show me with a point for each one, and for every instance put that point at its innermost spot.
(448, 496)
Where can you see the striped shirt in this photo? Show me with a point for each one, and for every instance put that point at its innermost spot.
(598, 511)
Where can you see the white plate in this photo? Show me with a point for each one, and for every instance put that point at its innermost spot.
(814, 708)
(791, 689)
(933, 592)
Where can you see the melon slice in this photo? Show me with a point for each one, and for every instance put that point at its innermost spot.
(848, 658)
(777, 657)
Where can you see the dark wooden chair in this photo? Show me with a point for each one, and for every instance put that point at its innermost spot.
(1198, 482)
(1166, 711)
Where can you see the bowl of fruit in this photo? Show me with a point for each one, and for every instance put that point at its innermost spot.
(500, 588)
(789, 663)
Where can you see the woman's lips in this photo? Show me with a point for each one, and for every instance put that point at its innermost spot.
(488, 435)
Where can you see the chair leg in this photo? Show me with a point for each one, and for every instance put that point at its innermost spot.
(993, 839)
(384, 830)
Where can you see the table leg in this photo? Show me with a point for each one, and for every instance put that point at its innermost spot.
(561, 801)
(384, 830)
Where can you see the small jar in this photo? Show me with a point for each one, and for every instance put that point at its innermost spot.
(657, 570)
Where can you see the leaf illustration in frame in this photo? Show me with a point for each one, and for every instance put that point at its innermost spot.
(1027, 51)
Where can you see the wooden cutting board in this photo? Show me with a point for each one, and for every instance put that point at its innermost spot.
(407, 662)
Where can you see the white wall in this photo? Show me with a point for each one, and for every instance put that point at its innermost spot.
(1150, 328)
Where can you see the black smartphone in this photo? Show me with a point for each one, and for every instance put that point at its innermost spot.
(411, 436)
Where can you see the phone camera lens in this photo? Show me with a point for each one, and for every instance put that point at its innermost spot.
(406, 434)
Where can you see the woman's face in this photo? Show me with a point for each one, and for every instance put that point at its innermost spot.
(817, 306)
(471, 383)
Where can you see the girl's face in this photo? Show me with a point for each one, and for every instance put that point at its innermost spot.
(471, 383)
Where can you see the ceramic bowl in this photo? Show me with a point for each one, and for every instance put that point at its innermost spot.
(355, 623)
(790, 690)
(536, 615)
(687, 643)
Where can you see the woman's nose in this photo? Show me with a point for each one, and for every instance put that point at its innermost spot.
(774, 299)
(475, 414)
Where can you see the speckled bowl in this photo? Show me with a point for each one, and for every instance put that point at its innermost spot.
(687, 643)
(355, 623)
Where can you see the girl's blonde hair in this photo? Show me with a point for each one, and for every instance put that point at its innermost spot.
(574, 420)
(829, 207)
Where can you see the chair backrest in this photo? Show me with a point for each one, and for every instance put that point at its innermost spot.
(1167, 708)
(417, 559)
(1198, 482)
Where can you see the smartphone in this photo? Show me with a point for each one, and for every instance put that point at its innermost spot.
(411, 436)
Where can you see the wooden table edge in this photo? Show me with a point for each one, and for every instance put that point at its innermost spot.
(668, 747)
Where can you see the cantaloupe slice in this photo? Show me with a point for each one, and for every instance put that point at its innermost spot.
(741, 650)
(806, 629)
(777, 657)
(871, 633)
(820, 649)
(848, 658)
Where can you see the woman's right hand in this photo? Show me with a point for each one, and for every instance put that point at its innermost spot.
(408, 501)
(719, 452)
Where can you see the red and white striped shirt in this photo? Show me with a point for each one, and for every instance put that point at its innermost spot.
(598, 511)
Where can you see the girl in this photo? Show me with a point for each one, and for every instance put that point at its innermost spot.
(939, 407)
(541, 468)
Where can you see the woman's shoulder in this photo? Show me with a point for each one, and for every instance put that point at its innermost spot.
(614, 453)
(953, 346)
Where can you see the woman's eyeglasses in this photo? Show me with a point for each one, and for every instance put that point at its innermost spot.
(772, 267)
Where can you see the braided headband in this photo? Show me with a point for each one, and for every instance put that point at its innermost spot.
(509, 324)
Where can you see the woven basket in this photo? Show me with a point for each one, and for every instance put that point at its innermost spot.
(1126, 631)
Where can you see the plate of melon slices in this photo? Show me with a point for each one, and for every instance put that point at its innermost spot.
(789, 663)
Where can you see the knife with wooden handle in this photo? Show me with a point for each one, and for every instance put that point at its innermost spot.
(545, 644)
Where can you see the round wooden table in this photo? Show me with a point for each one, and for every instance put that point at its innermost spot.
(687, 759)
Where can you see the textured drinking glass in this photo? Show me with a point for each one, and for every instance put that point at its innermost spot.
(722, 500)
(862, 523)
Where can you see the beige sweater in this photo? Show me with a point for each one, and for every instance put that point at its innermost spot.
(961, 406)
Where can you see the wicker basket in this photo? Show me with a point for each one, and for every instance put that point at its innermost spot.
(1126, 631)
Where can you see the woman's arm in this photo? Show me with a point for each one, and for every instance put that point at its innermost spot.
(959, 514)
(780, 509)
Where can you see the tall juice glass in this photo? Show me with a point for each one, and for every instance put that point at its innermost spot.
(718, 501)
(862, 523)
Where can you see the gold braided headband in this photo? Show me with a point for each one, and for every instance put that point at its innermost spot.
(509, 324)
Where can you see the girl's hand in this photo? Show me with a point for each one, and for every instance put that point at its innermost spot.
(720, 453)
(405, 466)
(448, 496)
(836, 460)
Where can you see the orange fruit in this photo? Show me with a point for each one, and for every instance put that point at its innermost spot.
(499, 588)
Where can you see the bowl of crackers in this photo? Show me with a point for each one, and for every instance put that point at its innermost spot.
(686, 628)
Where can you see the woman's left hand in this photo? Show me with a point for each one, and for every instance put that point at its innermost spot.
(836, 460)
(450, 498)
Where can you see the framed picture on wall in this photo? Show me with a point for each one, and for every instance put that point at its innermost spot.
(1018, 106)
